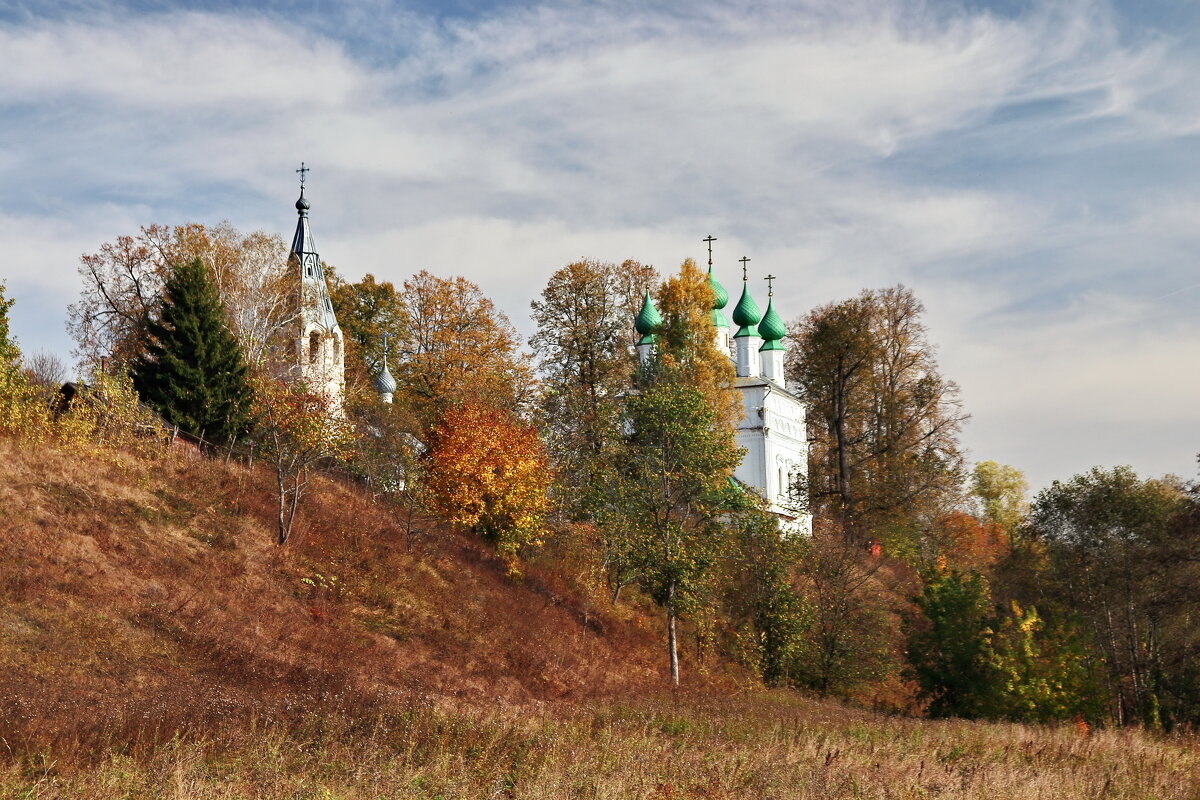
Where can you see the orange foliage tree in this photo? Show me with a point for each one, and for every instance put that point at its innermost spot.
(457, 347)
(488, 471)
(970, 543)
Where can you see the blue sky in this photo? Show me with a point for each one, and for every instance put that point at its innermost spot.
(1028, 168)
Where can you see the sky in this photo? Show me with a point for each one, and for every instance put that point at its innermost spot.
(1028, 168)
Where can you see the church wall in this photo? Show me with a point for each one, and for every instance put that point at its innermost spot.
(773, 432)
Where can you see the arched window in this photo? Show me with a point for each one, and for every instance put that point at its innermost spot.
(314, 344)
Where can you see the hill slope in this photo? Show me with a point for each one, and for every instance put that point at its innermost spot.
(153, 596)
(155, 642)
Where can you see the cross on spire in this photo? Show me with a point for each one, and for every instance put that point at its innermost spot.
(744, 261)
(303, 174)
(710, 239)
(770, 287)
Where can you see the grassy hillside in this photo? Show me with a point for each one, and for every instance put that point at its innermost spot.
(155, 642)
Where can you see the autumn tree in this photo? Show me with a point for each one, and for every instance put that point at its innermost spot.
(191, 369)
(687, 349)
(14, 386)
(123, 281)
(973, 659)
(295, 429)
(458, 347)
(761, 600)
(367, 311)
(584, 321)
(487, 471)
(387, 455)
(949, 646)
(850, 640)
(885, 458)
(1001, 492)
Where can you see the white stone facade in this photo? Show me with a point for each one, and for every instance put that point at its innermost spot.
(774, 434)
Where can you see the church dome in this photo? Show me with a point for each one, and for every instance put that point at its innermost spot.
(384, 382)
(648, 321)
(772, 329)
(746, 313)
(720, 296)
(302, 203)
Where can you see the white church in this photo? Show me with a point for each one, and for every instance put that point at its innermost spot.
(772, 428)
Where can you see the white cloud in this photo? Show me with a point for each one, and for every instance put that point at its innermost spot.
(840, 145)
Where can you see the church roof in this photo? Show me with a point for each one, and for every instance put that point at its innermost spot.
(316, 307)
(384, 382)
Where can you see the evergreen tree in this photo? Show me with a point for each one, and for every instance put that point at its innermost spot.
(192, 370)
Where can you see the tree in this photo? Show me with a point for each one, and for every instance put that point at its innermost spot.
(1111, 539)
(457, 348)
(387, 454)
(296, 428)
(367, 311)
(673, 486)
(123, 280)
(15, 394)
(885, 460)
(970, 659)
(850, 641)
(761, 598)
(487, 471)
(584, 321)
(1001, 491)
(687, 349)
(191, 368)
(968, 543)
(950, 653)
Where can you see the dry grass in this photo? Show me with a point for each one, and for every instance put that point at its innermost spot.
(139, 599)
(757, 746)
(154, 642)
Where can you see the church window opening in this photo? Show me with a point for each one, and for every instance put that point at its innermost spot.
(314, 343)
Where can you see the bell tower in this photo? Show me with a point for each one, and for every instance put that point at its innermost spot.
(320, 350)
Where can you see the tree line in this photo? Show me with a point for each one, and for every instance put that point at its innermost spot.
(926, 585)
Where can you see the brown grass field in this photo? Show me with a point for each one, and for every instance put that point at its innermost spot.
(155, 643)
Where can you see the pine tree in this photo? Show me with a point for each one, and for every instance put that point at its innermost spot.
(192, 371)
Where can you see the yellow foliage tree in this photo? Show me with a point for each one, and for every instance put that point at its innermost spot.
(687, 342)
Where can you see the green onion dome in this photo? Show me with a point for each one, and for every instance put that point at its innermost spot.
(772, 329)
(746, 314)
(720, 296)
(720, 300)
(648, 321)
